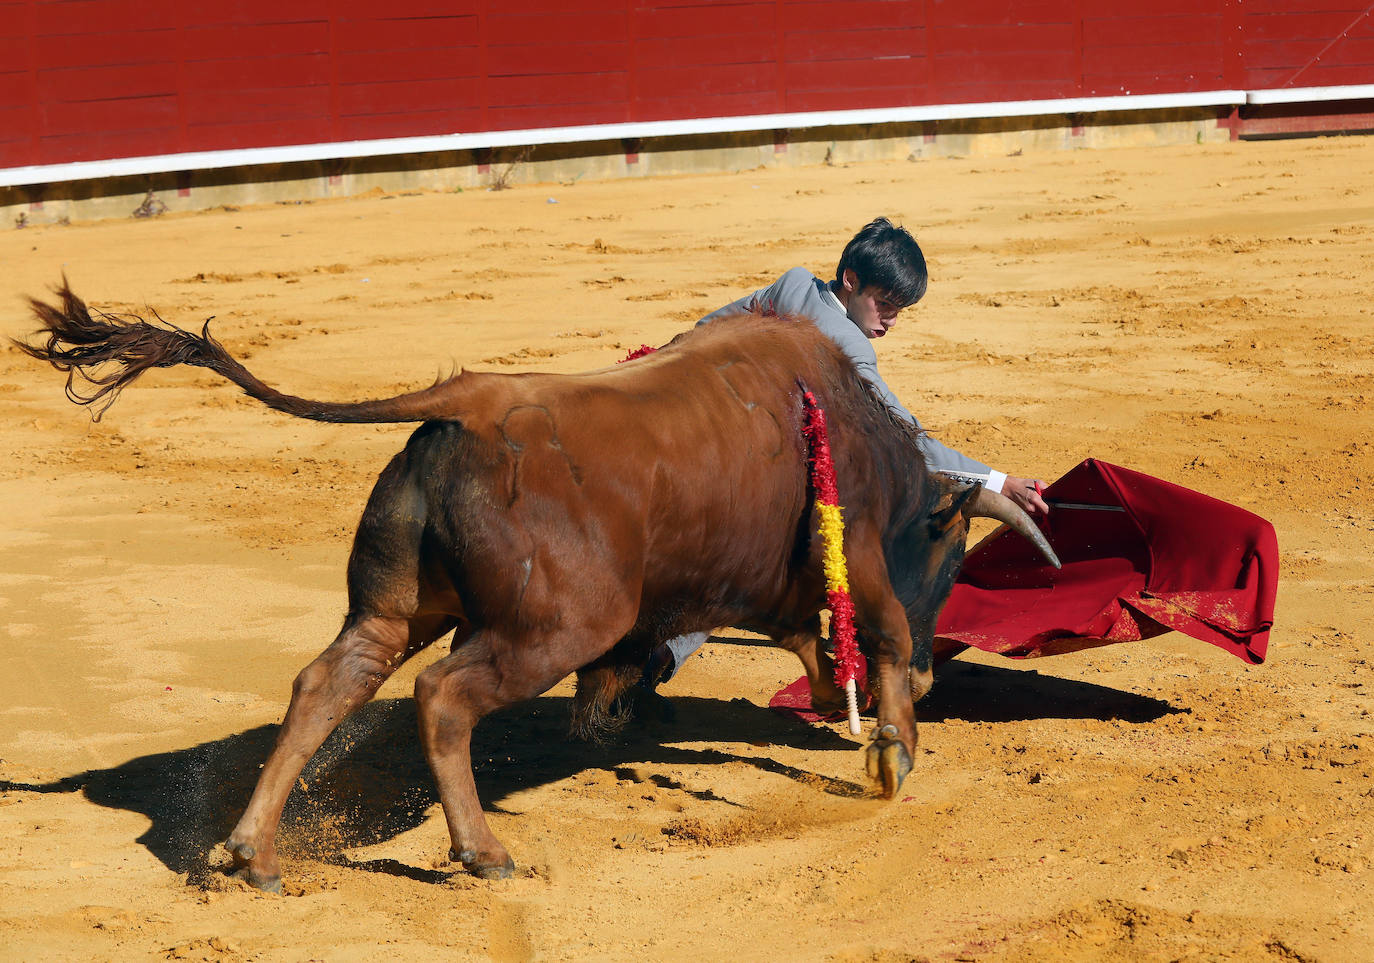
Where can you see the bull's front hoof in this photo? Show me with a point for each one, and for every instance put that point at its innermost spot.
(887, 760)
(484, 868)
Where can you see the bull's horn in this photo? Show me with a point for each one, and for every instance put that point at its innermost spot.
(991, 504)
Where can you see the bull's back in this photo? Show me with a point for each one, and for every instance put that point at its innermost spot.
(712, 427)
(679, 477)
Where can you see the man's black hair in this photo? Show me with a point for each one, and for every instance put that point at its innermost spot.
(885, 256)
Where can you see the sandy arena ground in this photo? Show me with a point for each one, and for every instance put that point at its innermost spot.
(1200, 314)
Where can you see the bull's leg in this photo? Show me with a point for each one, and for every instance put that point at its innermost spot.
(342, 678)
(489, 672)
(889, 755)
(805, 644)
(883, 622)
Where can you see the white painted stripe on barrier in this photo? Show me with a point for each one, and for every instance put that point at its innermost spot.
(1305, 95)
(243, 157)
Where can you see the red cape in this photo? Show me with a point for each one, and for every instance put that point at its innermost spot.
(1141, 557)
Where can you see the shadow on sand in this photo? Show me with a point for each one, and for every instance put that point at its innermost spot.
(370, 782)
(991, 693)
(987, 693)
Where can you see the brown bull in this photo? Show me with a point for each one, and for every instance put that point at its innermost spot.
(567, 523)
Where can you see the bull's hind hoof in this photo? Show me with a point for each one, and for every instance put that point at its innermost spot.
(243, 855)
(887, 760)
(268, 884)
(484, 870)
(504, 871)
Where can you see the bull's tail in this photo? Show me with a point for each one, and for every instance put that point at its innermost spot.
(103, 353)
(606, 698)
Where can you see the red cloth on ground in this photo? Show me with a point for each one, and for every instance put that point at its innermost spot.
(1171, 559)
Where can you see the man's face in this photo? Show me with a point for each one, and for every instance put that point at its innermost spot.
(872, 309)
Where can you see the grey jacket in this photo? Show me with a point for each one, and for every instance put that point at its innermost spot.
(800, 294)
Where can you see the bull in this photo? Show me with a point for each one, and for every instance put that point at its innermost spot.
(568, 523)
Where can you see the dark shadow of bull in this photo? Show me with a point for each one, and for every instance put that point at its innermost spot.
(370, 782)
(985, 693)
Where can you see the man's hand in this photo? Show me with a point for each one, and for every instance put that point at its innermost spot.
(1025, 493)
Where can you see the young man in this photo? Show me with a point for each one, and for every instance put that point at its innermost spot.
(881, 272)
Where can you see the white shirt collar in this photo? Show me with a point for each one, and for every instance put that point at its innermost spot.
(830, 296)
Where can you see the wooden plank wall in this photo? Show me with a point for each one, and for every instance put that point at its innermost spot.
(1307, 43)
(94, 79)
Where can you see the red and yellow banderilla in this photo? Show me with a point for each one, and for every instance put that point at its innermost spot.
(836, 572)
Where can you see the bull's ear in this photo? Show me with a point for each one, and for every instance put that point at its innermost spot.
(951, 504)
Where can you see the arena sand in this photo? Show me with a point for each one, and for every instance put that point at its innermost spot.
(1200, 314)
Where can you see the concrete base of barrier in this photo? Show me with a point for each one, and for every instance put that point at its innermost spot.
(150, 194)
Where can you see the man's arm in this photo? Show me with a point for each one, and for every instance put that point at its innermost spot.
(939, 457)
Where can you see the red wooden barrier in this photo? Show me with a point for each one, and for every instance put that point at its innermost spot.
(95, 79)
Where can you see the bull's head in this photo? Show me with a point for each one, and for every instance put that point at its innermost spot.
(927, 550)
